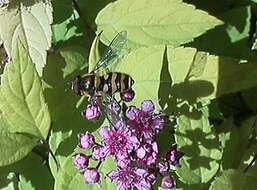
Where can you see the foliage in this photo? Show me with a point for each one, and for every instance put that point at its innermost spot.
(196, 60)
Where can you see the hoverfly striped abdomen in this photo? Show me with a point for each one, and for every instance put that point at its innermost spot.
(114, 82)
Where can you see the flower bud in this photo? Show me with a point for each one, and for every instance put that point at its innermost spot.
(99, 153)
(87, 140)
(173, 156)
(147, 106)
(92, 113)
(81, 161)
(127, 96)
(163, 167)
(168, 182)
(6, 57)
(92, 175)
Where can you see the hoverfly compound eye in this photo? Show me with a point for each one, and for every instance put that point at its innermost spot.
(76, 86)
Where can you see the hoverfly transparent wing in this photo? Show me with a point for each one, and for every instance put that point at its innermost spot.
(113, 50)
(110, 108)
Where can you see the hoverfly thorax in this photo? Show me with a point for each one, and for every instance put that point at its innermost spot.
(83, 85)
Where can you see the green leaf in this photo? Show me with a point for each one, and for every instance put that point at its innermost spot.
(94, 55)
(200, 75)
(234, 179)
(22, 100)
(59, 15)
(247, 159)
(31, 23)
(70, 178)
(91, 9)
(75, 58)
(8, 181)
(33, 172)
(14, 147)
(202, 155)
(154, 23)
(232, 38)
(37, 178)
(234, 141)
(144, 65)
(67, 29)
(250, 98)
(62, 68)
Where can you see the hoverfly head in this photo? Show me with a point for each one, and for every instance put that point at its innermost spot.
(76, 86)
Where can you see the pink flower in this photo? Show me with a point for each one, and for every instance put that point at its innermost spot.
(118, 141)
(130, 178)
(123, 161)
(145, 122)
(132, 113)
(6, 57)
(147, 154)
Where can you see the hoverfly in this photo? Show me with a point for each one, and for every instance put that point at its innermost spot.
(96, 86)
(92, 84)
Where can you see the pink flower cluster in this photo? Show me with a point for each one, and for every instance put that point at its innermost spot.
(135, 150)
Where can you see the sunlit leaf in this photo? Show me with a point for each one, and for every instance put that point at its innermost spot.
(94, 54)
(154, 22)
(144, 66)
(29, 21)
(22, 101)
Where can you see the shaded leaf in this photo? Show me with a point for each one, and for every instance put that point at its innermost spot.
(8, 181)
(234, 179)
(37, 178)
(67, 29)
(247, 159)
(22, 100)
(232, 38)
(14, 147)
(62, 68)
(154, 23)
(201, 160)
(250, 98)
(235, 141)
(200, 75)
